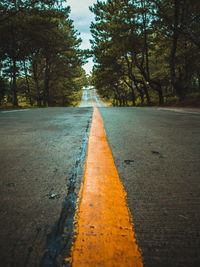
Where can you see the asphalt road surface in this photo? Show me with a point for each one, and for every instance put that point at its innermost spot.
(41, 152)
(157, 154)
(91, 99)
(42, 155)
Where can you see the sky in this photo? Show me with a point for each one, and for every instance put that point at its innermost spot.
(82, 18)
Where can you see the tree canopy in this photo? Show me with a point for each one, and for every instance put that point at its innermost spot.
(39, 52)
(146, 49)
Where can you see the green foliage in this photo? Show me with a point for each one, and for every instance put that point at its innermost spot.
(4, 89)
(144, 49)
(39, 52)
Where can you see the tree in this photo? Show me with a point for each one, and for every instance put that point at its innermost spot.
(40, 45)
(151, 44)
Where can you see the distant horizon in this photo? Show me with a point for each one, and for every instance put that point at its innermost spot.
(82, 18)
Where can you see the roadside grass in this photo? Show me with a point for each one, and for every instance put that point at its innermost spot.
(9, 106)
(6, 106)
(191, 100)
(75, 100)
(107, 101)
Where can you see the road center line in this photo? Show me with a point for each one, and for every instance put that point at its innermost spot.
(105, 230)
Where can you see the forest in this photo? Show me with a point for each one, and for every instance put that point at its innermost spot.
(41, 63)
(146, 51)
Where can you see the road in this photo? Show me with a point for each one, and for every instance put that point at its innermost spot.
(157, 156)
(41, 153)
(91, 99)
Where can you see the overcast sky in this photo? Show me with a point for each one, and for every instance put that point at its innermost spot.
(82, 18)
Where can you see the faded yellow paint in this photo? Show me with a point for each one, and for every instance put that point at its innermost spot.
(105, 230)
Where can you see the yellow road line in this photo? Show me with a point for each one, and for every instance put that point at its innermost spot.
(105, 230)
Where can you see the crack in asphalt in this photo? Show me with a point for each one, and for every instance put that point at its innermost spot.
(62, 236)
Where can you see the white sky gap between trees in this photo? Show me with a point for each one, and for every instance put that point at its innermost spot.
(82, 18)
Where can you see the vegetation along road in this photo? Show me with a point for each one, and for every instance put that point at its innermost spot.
(99, 162)
(156, 157)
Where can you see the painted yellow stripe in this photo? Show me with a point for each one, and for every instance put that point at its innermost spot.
(105, 230)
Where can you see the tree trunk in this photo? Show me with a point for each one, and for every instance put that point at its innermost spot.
(141, 96)
(133, 98)
(126, 101)
(27, 84)
(46, 83)
(120, 101)
(147, 93)
(63, 100)
(174, 47)
(144, 18)
(14, 84)
(160, 95)
(140, 92)
(199, 81)
(35, 76)
(123, 101)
